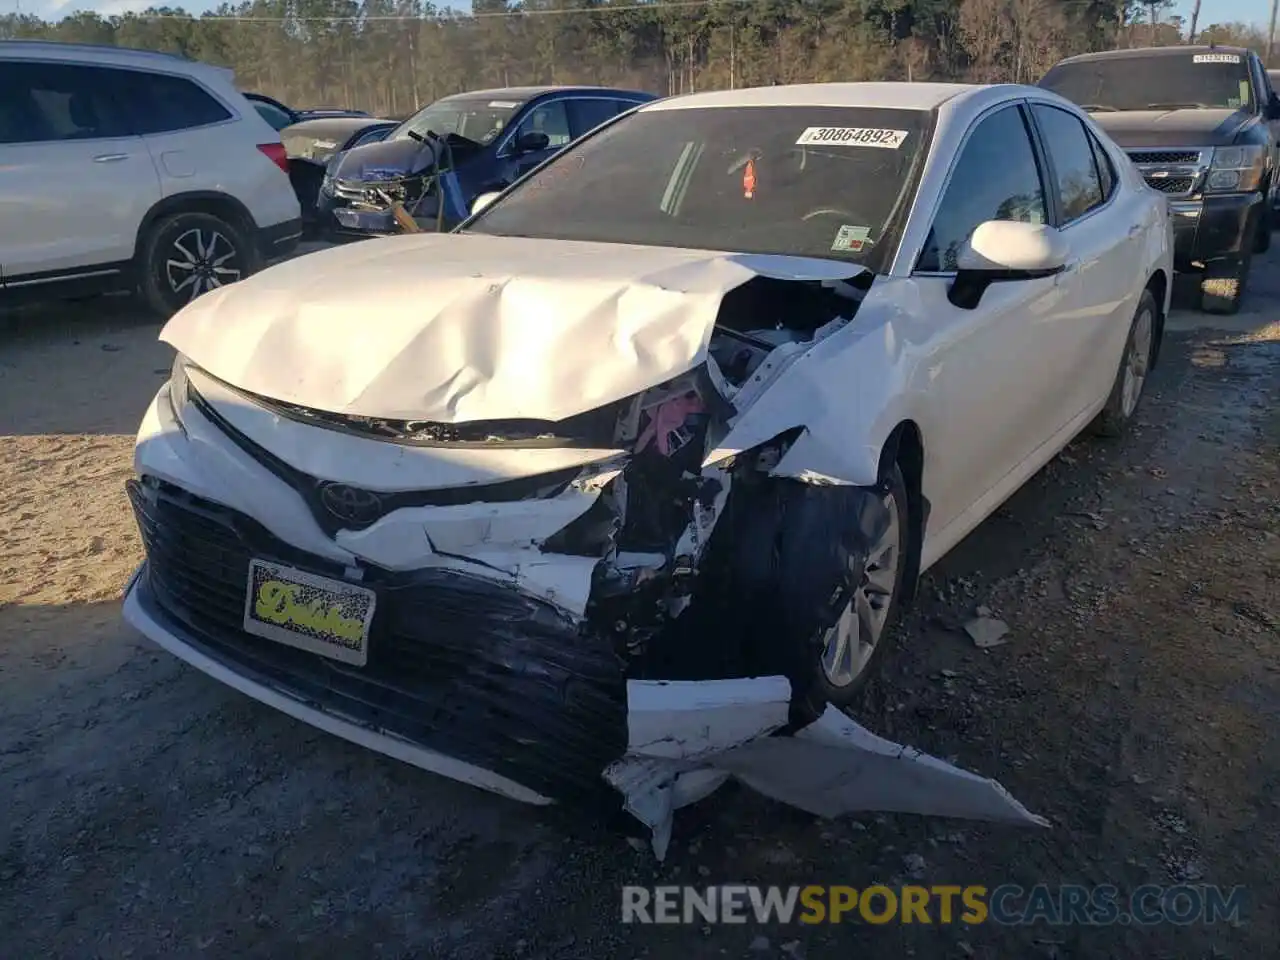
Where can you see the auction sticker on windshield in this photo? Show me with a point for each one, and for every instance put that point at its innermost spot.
(300, 609)
(853, 137)
(851, 238)
(1216, 58)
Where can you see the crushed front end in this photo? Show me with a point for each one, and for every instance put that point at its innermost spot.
(541, 605)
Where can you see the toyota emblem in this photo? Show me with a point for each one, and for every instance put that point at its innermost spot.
(351, 504)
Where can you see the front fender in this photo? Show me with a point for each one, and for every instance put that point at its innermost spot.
(846, 394)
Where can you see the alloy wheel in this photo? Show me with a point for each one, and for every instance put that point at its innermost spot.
(200, 260)
(850, 642)
(1136, 363)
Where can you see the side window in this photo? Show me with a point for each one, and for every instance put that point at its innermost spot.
(550, 118)
(272, 114)
(995, 178)
(1079, 186)
(1106, 171)
(587, 114)
(46, 102)
(161, 103)
(372, 136)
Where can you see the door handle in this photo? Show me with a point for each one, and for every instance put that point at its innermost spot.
(110, 157)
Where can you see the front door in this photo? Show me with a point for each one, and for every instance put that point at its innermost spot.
(548, 117)
(993, 373)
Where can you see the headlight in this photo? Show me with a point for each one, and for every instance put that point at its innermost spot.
(326, 185)
(1236, 169)
(179, 387)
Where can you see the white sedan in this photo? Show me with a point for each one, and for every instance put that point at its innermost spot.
(636, 468)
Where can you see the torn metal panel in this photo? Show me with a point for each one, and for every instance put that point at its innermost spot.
(470, 327)
(685, 739)
(687, 720)
(834, 766)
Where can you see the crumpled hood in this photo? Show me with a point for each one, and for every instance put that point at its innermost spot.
(384, 160)
(1172, 128)
(459, 327)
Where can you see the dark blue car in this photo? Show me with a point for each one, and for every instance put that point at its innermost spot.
(444, 156)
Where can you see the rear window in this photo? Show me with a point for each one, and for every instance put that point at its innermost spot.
(824, 182)
(1203, 79)
(160, 103)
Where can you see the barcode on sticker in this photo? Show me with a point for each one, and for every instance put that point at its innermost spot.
(1216, 58)
(853, 137)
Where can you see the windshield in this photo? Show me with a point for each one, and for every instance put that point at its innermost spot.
(477, 120)
(802, 181)
(1166, 82)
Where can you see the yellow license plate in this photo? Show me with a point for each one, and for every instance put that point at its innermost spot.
(319, 614)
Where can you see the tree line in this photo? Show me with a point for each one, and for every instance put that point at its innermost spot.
(391, 56)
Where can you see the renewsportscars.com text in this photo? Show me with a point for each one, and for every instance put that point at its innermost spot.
(1006, 905)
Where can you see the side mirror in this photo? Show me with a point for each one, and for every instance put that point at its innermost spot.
(1273, 108)
(1005, 250)
(482, 201)
(531, 142)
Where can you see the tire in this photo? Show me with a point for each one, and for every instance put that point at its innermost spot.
(1135, 366)
(790, 554)
(218, 251)
(848, 689)
(1223, 284)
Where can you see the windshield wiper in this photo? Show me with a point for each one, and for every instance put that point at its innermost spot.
(1177, 106)
(1105, 108)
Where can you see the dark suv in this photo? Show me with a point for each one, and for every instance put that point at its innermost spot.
(1201, 124)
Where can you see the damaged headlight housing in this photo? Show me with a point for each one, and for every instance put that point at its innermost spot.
(179, 388)
(1236, 169)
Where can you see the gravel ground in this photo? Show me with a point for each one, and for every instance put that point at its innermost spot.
(154, 813)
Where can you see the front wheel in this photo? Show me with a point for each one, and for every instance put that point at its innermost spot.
(188, 254)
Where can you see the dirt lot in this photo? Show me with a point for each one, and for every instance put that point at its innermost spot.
(153, 813)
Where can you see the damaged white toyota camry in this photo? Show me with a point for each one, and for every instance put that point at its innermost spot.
(614, 491)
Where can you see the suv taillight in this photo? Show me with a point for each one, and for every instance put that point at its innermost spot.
(275, 153)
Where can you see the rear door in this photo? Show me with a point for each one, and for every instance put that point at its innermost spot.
(1104, 229)
(75, 182)
(587, 113)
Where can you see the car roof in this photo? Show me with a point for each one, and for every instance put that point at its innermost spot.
(901, 96)
(528, 93)
(108, 55)
(1143, 52)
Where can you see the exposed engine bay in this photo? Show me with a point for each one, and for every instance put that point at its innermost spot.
(652, 523)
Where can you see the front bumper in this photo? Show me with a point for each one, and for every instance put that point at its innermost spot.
(338, 198)
(1212, 228)
(460, 668)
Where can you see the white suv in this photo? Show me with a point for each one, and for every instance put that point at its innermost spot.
(130, 169)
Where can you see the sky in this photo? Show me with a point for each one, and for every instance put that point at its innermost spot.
(1211, 11)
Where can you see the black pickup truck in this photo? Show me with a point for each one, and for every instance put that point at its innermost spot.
(1201, 123)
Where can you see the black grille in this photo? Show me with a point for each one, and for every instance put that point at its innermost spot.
(458, 664)
(1170, 184)
(1167, 156)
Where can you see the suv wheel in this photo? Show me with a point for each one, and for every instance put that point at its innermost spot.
(1223, 284)
(188, 254)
